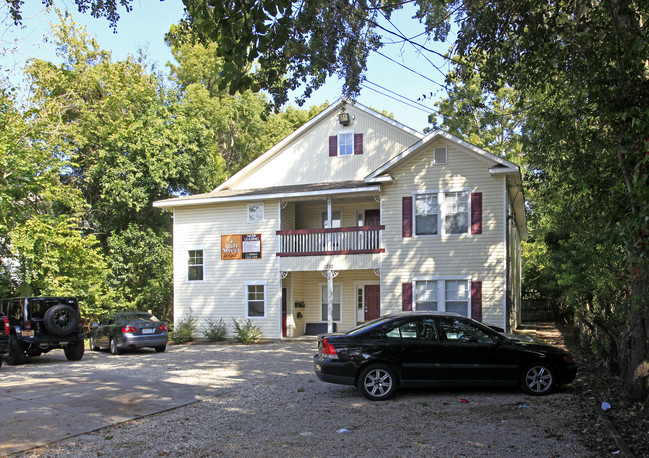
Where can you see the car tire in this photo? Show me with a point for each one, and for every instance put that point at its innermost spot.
(61, 320)
(538, 379)
(160, 348)
(74, 350)
(377, 382)
(16, 354)
(93, 345)
(113, 348)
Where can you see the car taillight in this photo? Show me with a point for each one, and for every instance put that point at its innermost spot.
(328, 350)
(6, 325)
(162, 327)
(127, 329)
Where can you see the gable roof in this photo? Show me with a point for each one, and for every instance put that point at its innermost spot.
(279, 147)
(498, 166)
(418, 147)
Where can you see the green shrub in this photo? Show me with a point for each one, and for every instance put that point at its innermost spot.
(247, 332)
(185, 329)
(215, 331)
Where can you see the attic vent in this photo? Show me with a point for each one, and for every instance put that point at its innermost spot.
(440, 155)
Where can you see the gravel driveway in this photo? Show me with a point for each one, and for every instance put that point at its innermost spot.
(270, 403)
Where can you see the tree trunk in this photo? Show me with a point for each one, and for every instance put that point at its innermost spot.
(635, 364)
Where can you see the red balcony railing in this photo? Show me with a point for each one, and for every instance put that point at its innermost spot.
(339, 240)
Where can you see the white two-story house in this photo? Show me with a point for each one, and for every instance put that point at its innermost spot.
(350, 217)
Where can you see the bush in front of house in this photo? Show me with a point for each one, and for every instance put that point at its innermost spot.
(215, 331)
(185, 329)
(247, 332)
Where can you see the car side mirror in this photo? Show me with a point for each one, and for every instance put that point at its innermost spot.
(497, 340)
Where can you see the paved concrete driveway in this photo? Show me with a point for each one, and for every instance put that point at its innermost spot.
(50, 398)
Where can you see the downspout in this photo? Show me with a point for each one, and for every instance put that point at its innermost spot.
(507, 267)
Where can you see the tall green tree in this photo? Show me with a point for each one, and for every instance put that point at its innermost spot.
(126, 143)
(42, 249)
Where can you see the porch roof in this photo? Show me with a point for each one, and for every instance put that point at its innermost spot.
(276, 192)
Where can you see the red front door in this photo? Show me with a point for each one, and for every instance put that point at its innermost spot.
(372, 302)
(284, 313)
(372, 218)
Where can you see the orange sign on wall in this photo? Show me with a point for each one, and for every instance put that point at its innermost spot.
(241, 246)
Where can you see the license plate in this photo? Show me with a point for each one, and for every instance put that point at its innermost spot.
(27, 333)
(148, 331)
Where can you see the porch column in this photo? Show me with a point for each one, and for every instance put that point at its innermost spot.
(330, 275)
(329, 244)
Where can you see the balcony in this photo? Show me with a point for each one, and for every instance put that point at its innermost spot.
(334, 241)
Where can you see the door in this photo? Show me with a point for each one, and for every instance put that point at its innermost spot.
(372, 302)
(284, 313)
(372, 218)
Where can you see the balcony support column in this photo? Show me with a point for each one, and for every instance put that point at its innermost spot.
(330, 274)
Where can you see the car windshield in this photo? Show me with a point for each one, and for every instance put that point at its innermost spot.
(138, 317)
(368, 325)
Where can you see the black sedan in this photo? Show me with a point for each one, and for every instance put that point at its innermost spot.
(125, 330)
(415, 349)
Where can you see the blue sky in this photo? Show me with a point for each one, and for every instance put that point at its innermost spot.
(400, 72)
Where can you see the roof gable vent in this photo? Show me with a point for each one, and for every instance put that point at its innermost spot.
(440, 155)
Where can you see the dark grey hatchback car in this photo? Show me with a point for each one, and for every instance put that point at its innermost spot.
(416, 349)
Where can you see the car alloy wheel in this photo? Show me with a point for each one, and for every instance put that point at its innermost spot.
(377, 382)
(538, 379)
(113, 347)
(93, 345)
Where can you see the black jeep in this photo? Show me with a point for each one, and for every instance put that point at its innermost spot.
(4, 336)
(37, 325)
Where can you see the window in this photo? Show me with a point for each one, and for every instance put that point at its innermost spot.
(457, 296)
(460, 331)
(324, 300)
(423, 329)
(255, 300)
(255, 212)
(445, 295)
(195, 265)
(448, 210)
(335, 219)
(426, 212)
(456, 212)
(426, 295)
(346, 144)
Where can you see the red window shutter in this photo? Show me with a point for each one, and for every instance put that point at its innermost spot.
(476, 213)
(406, 297)
(358, 144)
(406, 217)
(333, 145)
(476, 300)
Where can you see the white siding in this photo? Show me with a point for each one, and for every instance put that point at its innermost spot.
(306, 160)
(479, 256)
(222, 293)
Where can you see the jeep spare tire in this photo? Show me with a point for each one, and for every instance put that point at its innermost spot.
(61, 319)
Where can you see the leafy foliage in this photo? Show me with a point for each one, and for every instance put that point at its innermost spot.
(215, 331)
(185, 329)
(247, 332)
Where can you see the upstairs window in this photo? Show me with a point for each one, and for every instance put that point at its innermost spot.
(445, 212)
(456, 212)
(346, 143)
